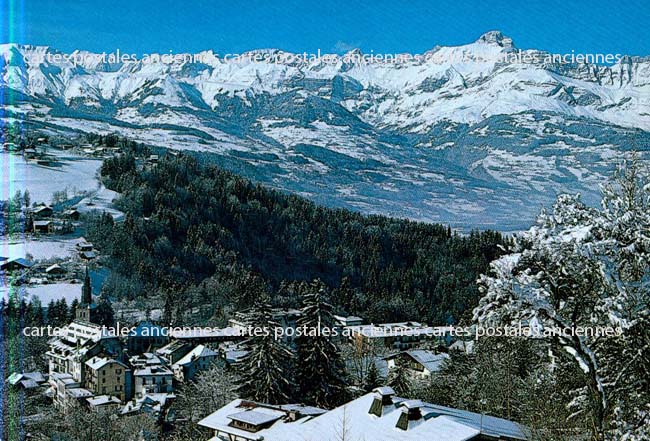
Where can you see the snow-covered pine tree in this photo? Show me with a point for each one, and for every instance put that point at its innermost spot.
(320, 371)
(399, 379)
(373, 379)
(265, 370)
(585, 267)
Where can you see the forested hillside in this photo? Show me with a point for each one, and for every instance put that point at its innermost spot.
(196, 229)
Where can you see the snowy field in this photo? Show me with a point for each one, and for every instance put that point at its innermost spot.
(43, 249)
(54, 291)
(101, 200)
(71, 173)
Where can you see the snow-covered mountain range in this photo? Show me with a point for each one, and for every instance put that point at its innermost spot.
(455, 135)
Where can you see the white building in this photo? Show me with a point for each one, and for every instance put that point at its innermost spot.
(153, 379)
(66, 391)
(76, 343)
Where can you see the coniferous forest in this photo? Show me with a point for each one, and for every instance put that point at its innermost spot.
(202, 235)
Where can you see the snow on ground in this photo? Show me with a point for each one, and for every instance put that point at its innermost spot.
(54, 291)
(101, 200)
(71, 173)
(42, 249)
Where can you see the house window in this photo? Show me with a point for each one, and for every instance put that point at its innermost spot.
(118, 371)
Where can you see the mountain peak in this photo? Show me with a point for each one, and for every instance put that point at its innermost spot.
(497, 38)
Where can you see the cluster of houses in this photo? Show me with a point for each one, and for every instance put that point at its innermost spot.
(95, 367)
(136, 373)
(43, 272)
(42, 219)
(36, 149)
(91, 366)
(379, 416)
(32, 149)
(404, 342)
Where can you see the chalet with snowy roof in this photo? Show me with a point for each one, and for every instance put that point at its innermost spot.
(55, 270)
(198, 359)
(42, 226)
(244, 420)
(350, 320)
(377, 416)
(82, 245)
(232, 353)
(41, 211)
(71, 214)
(419, 362)
(87, 255)
(16, 264)
(30, 153)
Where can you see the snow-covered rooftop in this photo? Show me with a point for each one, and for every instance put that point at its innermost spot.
(99, 362)
(255, 417)
(429, 360)
(436, 423)
(101, 400)
(198, 352)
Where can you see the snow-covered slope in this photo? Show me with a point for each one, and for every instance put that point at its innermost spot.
(454, 135)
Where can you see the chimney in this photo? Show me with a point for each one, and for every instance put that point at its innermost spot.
(383, 398)
(412, 413)
(293, 416)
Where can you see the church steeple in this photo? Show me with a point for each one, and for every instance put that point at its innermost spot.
(86, 290)
(86, 309)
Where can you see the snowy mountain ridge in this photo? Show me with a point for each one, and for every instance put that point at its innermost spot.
(454, 135)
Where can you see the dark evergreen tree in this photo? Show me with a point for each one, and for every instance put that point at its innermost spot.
(265, 370)
(373, 379)
(320, 371)
(104, 314)
(35, 316)
(72, 314)
(400, 379)
(57, 312)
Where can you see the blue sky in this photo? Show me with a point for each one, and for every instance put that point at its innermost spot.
(233, 26)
